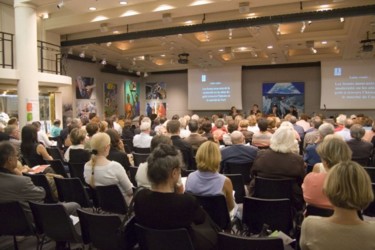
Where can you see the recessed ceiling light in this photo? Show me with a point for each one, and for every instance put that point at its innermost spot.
(324, 42)
(188, 22)
(116, 32)
(92, 8)
(269, 47)
(162, 55)
(123, 2)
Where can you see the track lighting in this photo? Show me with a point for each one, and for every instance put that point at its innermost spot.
(60, 4)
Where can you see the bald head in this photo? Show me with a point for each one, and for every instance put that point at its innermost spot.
(237, 137)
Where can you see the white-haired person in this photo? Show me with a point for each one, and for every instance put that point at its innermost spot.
(281, 161)
(348, 188)
(143, 140)
(100, 171)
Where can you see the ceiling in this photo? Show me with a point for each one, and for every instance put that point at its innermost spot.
(135, 38)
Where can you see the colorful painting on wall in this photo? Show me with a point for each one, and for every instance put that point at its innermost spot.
(110, 99)
(85, 87)
(156, 107)
(156, 90)
(132, 91)
(85, 107)
(282, 96)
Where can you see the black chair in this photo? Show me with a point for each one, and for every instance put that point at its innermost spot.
(277, 213)
(14, 222)
(140, 158)
(110, 199)
(40, 180)
(101, 230)
(133, 171)
(76, 170)
(186, 172)
(238, 186)
(55, 153)
(58, 167)
(142, 150)
(371, 173)
(268, 188)
(72, 190)
(216, 207)
(238, 168)
(370, 210)
(317, 211)
(55, 223)
(172, 239)
(229, 241)
(128, 144)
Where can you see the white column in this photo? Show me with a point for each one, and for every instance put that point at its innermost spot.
(26, 58)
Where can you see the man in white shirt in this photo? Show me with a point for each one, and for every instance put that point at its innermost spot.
(143, 140)
(42, 136)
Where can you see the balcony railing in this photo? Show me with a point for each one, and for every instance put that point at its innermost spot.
(6, 46)
(49, 58)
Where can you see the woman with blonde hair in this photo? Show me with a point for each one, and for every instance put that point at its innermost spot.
(207, 180)
(348, 188)
(332, 150)
(99, 171)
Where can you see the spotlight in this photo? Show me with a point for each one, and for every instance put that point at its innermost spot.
(60, 4)
(167, 18)
(82, 54)
(138, 73)
(70, 52)
(145, 75)
(118, 66)
(93, 58)
(104, 61)
(244, 7)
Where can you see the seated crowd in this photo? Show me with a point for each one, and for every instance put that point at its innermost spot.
(323, 157)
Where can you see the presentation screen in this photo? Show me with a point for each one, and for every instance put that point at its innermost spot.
(214, 89)
(348, 84)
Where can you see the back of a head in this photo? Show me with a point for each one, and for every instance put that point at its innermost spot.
(29, 134)
(206, 126)
(182, 121)
(316, 121)
(160, 139)
(284, 141)
(195, 117)
(244, 123)
(333, 150)
(9, 129)
(36, 124)
(232, 126)
(341, 119)
(173, 127)
(6, 150)
(161, 162)
(92, 128)
(293, 119)
(57, 123)
(145, 126)
(193, 126)
(348, 186)
(77, 135)
(357, 131)
(326, 129)
(99, 142)
(114, 137)
(263, 124)
(175, 117)
(219, 123)
(208, 157)
(348, 123)
(237, 137)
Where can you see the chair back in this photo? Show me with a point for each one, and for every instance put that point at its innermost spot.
(133, 171)
(72, 190)
(110, 199)
(171, 239)
(317, 211)
(370, 210)
(55, 153)
(40, 180)
(55, 222)
(238, 186)
(142, 150)
(229, 241)
(239, 168)
(58, 167)
(268, 188)
(186, 172)
(76, 171)
(100, 229)
(13, 220)
(371, 173)
(216, 207)
(277, 213)
(140, 158)
(128, 144)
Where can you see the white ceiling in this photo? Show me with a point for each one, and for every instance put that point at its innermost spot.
(331, 38)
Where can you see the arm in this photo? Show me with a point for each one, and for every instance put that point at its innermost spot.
(30, 192)
(228, 193)
(124, 181)
(41, 150)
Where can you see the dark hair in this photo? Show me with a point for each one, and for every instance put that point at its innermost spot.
(110, 122)
(159, 139)
(57, 122)
(6, 150)
(92, 128)
(161, 162)
(13, 121)
(193, 126)
(206, 126)
(173, 126)
(232, 126)
(85, 120)
(36, 124)
(263, 124)
(92, 115)
(175, 117)
(77, 135)
(115, 138)
(29, 138)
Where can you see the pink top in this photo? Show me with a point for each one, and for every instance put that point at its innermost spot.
(312, 187)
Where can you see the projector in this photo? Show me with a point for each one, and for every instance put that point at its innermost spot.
(183, 58)
(367, 47)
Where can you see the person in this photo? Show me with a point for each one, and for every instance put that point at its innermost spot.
(207, 180)
(362, 150)
(280, 161)
(262, 138)
(194, 139)
(42, 136)
(173, 210)
(332, 150)
(275, 111)
(55, 128)
(33, 152)
(76, 153)
(292, 110)
(128, 108)
(117, 150)
(233, 112)
(348, 188)
(91, 129)
(231, 127)
(99, 171)
(312, 135)
(143, 140)
(14, 136)
(345, 132)
(254, 110)
(243, 126)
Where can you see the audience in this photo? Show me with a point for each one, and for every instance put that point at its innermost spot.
(76, 153)
(42, 136)
(143, 140)
(261, 139)
(348, 188)
(362, 150)
(312, 134)
(117, 150)
(194, 139)
(163, 208)
(14, 136)
(55, 128)
(91, 129)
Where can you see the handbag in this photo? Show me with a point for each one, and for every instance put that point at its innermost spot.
(127, 234)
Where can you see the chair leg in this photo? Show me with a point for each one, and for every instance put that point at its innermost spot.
(15, 242)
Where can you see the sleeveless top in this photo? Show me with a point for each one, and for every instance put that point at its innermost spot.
(33, 158)
(205, 183)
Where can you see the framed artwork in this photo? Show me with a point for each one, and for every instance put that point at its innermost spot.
(156, 90)
(85, 87)
(132, 91)
(110, 99)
